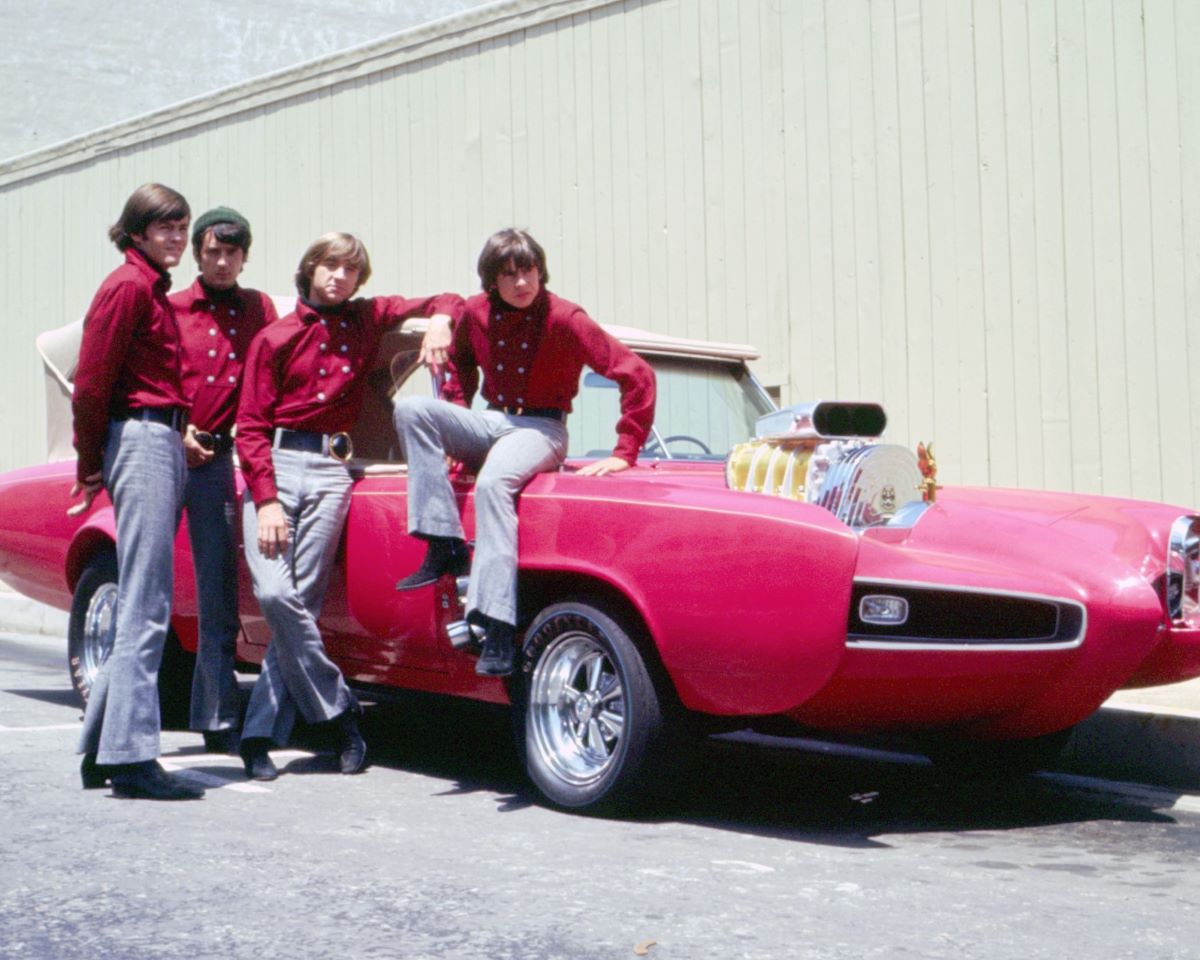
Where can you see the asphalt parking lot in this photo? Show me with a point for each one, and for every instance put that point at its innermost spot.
(441, 850)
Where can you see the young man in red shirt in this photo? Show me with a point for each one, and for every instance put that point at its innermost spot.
(129, 412)
(531, 347)
(217, 320)
(305, 378)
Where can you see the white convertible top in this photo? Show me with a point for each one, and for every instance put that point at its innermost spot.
(59, 350)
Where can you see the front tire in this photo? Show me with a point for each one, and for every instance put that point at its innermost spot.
(90, 633)
(591, 725)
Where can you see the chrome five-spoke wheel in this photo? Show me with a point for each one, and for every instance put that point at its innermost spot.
(576, 709)
(589, 719)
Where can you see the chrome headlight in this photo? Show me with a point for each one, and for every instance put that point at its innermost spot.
(1183, 570)
(868, 485)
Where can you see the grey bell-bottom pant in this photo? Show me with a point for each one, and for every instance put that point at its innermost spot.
(297, 673)
(144, 475)
(210, 499)
(506, 451)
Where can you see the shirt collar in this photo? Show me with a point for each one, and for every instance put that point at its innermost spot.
(153, 271)
(308, 311)
(202, 291)
(535, 311)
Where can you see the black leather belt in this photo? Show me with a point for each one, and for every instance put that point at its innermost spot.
(217, 443)
(336, 445)
(173, 417)
(550, 413)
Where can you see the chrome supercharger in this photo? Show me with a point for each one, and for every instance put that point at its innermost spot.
(829, 454)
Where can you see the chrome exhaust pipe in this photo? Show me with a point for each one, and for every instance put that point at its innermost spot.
(461, 633)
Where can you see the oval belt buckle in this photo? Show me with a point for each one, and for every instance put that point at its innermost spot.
(341, 447)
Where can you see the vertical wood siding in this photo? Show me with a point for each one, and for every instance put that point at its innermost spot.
(984, 214)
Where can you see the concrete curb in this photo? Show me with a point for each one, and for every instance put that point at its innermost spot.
(1151, 745)
(1156, 742)
(19, 614)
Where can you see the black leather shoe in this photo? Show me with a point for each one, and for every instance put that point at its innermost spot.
(445, 555)
(149, 781)
(353, 758)
(94, 776)
(222, 741)
(256, 760)
(499, 651)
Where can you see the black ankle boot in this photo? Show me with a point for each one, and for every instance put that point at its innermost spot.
(221, 741)
(499, 648)
(352, 746)
(94, 776)
(445, 555)
(256, 760)
(149, 781)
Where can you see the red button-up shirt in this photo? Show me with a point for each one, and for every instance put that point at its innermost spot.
(215, 329)
(534, 357)
(129, 357)
(308, 371)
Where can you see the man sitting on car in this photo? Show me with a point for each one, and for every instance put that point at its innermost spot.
(531, 347)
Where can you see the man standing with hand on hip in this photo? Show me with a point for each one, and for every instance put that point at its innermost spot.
(305, 380)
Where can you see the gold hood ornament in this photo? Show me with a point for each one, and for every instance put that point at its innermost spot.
(927, 464)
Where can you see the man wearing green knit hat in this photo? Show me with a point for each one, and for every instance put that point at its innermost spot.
(217, 320)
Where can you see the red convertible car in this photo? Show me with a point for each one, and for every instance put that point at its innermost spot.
(813, 578)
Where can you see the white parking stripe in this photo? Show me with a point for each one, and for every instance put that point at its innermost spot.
(212, 781)
(53, 726)
(179, 763)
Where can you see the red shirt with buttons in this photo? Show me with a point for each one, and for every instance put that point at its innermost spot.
(533, 357)
(215, 329)
(307, 372)
(129, 357)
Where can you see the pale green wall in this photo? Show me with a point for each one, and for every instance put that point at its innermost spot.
(985, 215)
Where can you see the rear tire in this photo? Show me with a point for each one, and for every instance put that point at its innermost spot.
(90, 633)
(592, 727)
(92, 624)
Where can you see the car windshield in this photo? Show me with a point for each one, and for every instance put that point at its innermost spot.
(704, 407)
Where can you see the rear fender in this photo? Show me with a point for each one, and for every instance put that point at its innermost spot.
(98, 532)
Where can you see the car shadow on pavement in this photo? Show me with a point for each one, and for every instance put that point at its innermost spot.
(466, 742)
(59, 698)
(790, 793)
(846, 801)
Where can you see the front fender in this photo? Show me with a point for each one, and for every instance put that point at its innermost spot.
(746, 597)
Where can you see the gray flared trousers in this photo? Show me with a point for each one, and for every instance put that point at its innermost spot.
(210, 499)
(144, 474)
(506, 451)
(297, 673)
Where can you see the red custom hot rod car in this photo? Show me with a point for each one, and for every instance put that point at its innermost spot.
(811, 577)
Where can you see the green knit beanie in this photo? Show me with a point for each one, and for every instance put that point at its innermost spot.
(219, 215)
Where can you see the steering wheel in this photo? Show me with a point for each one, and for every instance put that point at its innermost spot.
(676, 438)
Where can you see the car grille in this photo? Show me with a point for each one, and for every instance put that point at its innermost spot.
(944, 618)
